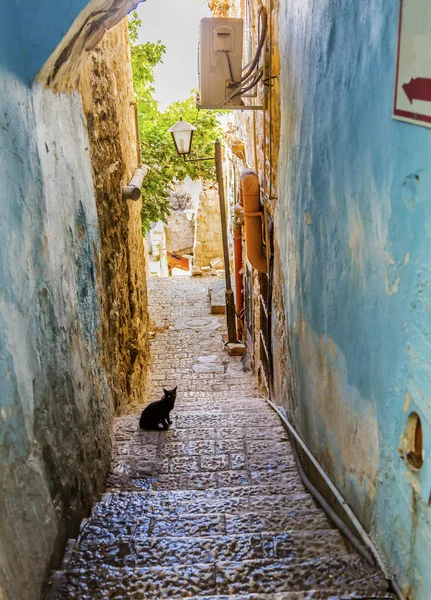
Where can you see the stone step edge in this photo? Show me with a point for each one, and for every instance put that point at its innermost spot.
(208, 537)
(281, 491)
(229, 536)
(57, 577)
(301, 595)
(223, 563)
(228, 513)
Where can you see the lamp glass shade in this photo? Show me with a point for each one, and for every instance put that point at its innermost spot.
(182, 132)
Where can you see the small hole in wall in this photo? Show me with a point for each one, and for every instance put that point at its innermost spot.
(414, 442)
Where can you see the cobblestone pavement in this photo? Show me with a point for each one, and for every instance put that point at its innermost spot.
(213, 507)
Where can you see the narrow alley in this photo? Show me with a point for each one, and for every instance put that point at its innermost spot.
(214, 506)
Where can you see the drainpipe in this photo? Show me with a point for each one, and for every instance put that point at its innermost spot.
(253, 220)
(239, 281)
(137, 134)
(133, 190)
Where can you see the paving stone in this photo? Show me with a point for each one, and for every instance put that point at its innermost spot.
(238, 461)
(203, 433)
(233, 478)
(184, 464)
(213, 508)
(138, 584)
(276, 521)
(338, 574)
(191, 525)
(220, 462)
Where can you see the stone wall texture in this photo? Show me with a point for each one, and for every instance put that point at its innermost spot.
(107, 92)
(56, 404)
(254, 143)
(180, 232)
(209, 243)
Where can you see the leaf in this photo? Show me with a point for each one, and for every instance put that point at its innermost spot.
(158, 149)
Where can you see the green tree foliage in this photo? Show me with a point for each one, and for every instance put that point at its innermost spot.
(144, 58)
(158, 150)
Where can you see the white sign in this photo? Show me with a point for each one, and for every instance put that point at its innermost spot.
(412, 101)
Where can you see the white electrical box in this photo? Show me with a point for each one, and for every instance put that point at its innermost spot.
(220, 61)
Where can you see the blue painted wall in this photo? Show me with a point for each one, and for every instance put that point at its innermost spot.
(52, 26)
(355, 223)
(31, 31)
(55, 405)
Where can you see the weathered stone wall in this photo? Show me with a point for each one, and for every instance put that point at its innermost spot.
(181, 222)
(254, 143)
(56, 406)
(55, 402)
(209, 243)
(107, 93)
(180, 232)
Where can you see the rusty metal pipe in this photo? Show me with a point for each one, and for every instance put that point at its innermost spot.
(253, 220)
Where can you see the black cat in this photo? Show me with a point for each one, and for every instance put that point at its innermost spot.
(157, 413)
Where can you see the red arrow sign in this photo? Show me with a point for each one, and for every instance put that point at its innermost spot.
(418, 88)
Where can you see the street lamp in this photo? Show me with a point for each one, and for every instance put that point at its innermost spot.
(182, 132)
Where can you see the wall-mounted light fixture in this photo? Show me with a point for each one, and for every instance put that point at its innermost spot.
(182, 133)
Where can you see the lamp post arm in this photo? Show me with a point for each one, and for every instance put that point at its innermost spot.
(197, 159)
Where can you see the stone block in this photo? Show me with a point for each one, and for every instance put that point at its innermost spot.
(235, 349)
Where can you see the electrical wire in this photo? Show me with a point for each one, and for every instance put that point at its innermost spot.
(255, 61)
(237, 90)
(252, 84)
(236, 85)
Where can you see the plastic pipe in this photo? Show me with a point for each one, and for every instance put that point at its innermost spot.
(253, 220)
(133, 190)
(138, 135)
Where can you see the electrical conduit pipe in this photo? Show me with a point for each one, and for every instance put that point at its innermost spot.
(253, 220)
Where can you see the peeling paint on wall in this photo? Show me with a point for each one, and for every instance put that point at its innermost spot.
(356, 285)
(55, 401)
(344, 436)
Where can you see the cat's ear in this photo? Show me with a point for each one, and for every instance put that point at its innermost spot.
(175, 388)
(165, 391)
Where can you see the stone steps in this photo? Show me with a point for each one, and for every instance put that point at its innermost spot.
(212, 509)
(267, 499)
(214, 524)
(140, 551)
(224, 578)
(304, 595)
